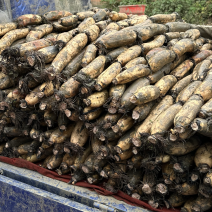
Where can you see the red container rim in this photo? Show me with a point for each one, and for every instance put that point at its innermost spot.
(132, 5)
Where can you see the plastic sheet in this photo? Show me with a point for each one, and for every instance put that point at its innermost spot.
(205, 30)
(5, 11)
(22, 7)
(66, 178)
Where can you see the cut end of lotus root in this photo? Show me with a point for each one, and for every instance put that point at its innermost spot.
(152, 139)
(68, 113)
(23, 104)
(55, 151)
(168, 181)
(130, 187)
(162, 189)
(135, 115)
(136, 196)
(136, 142)
(114, 81)
(117, 158)
(95, 130)
(115, 129)
(59, 172)
(178, 168)
(49, 166)
(153, 204)
(102, 137)
(35, 135)
(62, 106)
(84, 90)
(67, 150)
(180, 129)
(112, 110)
(194, 177)
(103, 174)
(85, 169)
(87, 102)
(202, 115)
(172, 137)
(98, 87)
(49, 123)
(194, 126)
(73, 167)
(43, 106)
(107, 126)
(118, 149)
(196, 208)
(146, 189)
(207, 181)
(40, 95)
(135, 150)
(91, 180)
(204, 168)
(62, 127)
(133, 99)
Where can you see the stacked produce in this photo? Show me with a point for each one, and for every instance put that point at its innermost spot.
(123, 100)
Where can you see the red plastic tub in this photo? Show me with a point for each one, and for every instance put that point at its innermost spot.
(133, 9)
